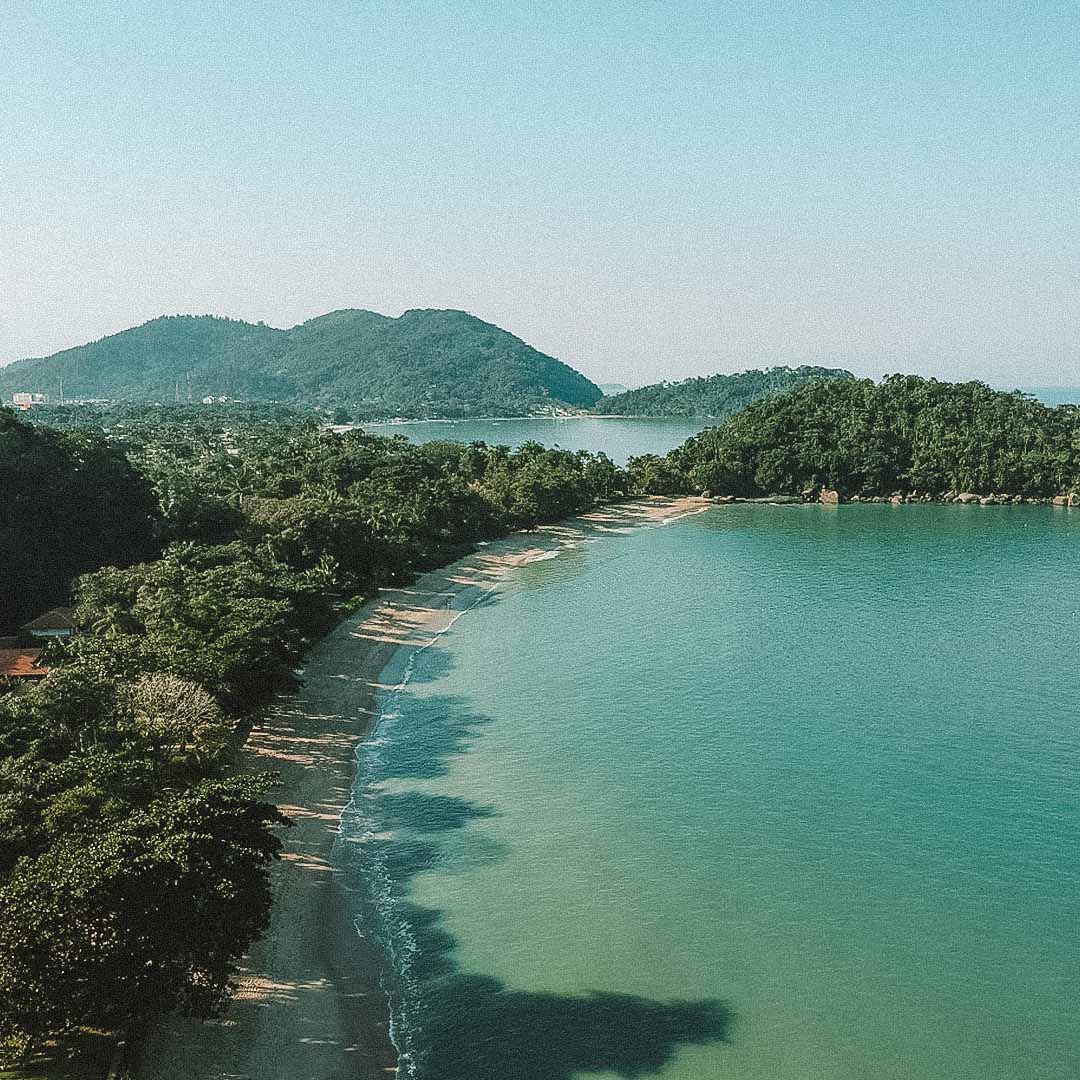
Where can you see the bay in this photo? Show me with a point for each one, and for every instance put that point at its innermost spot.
(618, 437)
(767, 792)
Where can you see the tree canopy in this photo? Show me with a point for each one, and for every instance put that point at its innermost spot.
(714, 395)
(904, 434)
(70, 503)
(134, 859)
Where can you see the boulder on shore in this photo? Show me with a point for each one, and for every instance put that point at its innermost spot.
(967, 497)
(1061, 500)
(830, 497)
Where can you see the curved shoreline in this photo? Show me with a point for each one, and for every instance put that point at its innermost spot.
(308, 1003)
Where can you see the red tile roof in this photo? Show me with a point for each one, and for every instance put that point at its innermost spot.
(21, 664)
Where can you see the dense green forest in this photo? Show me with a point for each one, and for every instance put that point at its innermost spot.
(133, 856)
(715, 395)
(424, 364)
(904, 435)
(120, 420)
(70, 503)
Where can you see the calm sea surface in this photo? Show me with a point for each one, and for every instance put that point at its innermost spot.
(617, 437)
(1055, 395)
(769, 793)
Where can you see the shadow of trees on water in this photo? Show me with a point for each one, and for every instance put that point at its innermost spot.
(460, 1025)
(477, 1027)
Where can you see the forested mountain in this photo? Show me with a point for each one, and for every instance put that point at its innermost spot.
(713, 395)
(158, 361)
(906, 434)
(425, 363)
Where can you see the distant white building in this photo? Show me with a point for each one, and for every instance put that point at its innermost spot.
(28, 401)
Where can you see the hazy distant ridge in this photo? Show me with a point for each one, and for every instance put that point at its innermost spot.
(424, 363)
(713, 395)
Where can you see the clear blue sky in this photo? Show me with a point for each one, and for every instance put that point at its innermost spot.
(645, 190)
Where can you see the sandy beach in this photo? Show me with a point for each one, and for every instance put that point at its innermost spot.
(308, 1004)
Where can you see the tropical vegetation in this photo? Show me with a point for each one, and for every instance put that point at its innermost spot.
(134, 857)
(70, 503)
(906, 434)
(717, 396)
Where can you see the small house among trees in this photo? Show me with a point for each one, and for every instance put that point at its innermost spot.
(58, 622)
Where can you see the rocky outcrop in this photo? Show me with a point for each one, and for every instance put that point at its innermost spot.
(832, 496)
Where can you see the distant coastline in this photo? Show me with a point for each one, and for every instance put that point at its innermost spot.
(398, 422)
(1052, 396)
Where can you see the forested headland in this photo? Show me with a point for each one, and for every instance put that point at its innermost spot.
(716, 396)
(906, 435)
(133, 857)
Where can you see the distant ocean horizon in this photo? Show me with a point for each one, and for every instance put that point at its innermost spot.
(1052, 395)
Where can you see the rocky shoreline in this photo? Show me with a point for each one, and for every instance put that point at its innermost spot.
(833, 496)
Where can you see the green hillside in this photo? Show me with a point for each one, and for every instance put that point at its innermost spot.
(714, 395)
(425, 363)
(903, 435)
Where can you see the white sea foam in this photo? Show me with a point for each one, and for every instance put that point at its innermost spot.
(382, 916)
(545, 557)
(689, 513)
(384, 911)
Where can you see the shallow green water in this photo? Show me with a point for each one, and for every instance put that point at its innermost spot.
(768, 793)
(618, 437)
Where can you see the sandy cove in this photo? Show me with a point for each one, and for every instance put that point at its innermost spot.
(308, 1004)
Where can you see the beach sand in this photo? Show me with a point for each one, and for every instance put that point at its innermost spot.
(308, 1005)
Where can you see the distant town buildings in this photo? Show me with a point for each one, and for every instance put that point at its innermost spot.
(26, 401)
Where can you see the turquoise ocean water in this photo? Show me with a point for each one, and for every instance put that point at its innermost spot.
(617, 437)
(1055, 395)
(769, 793)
